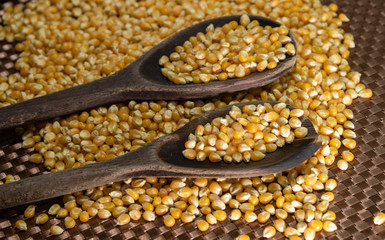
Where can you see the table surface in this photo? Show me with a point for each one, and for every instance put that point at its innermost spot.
(361, 189)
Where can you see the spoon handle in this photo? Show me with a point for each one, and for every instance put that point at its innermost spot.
(107, 90)
(138, 163)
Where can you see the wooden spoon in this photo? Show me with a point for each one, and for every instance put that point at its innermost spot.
(141, 80)
(160, 158)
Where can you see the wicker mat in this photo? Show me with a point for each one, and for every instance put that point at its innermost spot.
(360, 193)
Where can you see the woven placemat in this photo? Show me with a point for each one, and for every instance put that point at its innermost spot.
(360, 193)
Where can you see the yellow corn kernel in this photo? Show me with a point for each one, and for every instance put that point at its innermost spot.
(366, 93)
(316, 225)
(123, 219)
(291, 232)
(75, 212)
(309, 234)
(104, 214)
(244, 207)
(175, 212)
(41, 219)
(21, 225)
(281, 214)
(36, 158)
(211, 219)
(379, 219)
(250, 216)
(329, 216)
(189, 154)
(280, 225)
(329, 226)
(202, 225)
(70, 205)
(342, 165)
(149, 216)
(187, 217)
(243, 237)
(30, 211)
(56, 230)
(62, 213)
(347, 156)
(263, 217)
(269, 232)
(69, 222)
(235, 214)
(265, 198)
(330, 185)
(220, 215)
(84, 216)
(300, 132)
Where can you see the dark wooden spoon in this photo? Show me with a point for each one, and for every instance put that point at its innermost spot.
(160, 158)
(141, 80)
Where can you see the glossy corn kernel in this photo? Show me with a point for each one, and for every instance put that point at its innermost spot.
(211, 219)
(309, 234)
(280, 225)
(69, 222)
(290, 232)
(243, 237)
(265, 198)
(235, 215)
(329, 226)
(21, 225)
(175, 212)
(84, 216)
(379, 219)
(330, 185)
(149, 216)
(250, 216)
(124, 219)
(202, 225)
(220, 215)
(269, 232)
(41, 218)
(316, 225)
(187, 217)
(56, 230)
(62, 213)
(30, 211)
(263, 217)
(329, 216)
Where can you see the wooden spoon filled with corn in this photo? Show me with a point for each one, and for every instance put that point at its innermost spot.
(229, 54)
(166, 156)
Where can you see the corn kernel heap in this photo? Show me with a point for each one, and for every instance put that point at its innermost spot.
(245, 134)
(232, 51)
(80, 41)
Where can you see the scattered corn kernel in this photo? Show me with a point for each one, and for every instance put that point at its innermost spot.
(56, 230)
(379, 219)
(21, 225)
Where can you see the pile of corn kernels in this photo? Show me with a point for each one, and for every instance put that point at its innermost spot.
(232, 51)
(246, 134)
(64, 43)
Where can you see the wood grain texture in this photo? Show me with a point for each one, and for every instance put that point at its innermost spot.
(141, 80)
(160, 158)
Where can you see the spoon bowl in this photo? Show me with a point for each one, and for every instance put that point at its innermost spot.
(160, 158)
(142, 80)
